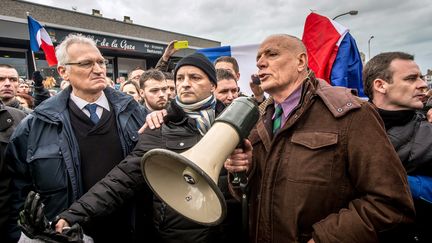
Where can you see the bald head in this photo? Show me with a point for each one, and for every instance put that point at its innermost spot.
(282, 64)
(290, 42)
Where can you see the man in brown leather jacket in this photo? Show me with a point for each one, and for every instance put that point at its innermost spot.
(322, 169)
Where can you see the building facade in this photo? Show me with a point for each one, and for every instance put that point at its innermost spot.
(126, 45)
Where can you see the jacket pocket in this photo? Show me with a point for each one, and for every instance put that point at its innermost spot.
(48, 168)
(311, 158)
(181, 144)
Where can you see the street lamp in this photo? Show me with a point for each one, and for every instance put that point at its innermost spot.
(352, 12)
(370, 38)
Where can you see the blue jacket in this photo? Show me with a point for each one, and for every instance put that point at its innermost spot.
(44, 153)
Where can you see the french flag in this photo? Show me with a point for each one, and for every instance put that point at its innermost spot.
(332, 52)
(39, 38)
(246, 59)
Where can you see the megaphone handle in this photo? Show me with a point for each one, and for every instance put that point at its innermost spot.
(240, 176)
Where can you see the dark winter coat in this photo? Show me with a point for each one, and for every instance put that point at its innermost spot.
(43, 154)
(177, 134)
(413, 144)
(9, 120)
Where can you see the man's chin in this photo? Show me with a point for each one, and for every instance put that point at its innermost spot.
(100, 86)
(188, 100)
(161, 106)
(7, 96)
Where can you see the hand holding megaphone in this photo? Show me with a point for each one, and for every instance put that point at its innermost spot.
(240, 161)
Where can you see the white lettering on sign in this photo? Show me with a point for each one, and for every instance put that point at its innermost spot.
(114, 43)
(124, 45)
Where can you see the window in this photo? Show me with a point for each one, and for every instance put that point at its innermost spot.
(16, 58)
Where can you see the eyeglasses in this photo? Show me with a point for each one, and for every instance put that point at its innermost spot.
(11, 79)
(87, 64)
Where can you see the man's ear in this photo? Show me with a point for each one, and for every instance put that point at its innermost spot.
(213, 87)
(238, 76)
(302, 62)
(380, 86)
(63, 73)
(142, 93)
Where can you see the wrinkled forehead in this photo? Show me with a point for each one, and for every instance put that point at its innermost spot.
(83, 51)
(190, 70)
(281, 42)
(269, 45)
(11, 72)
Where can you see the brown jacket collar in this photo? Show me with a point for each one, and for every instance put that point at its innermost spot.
(339, 100)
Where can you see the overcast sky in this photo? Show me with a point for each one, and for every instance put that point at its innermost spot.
(397, 25)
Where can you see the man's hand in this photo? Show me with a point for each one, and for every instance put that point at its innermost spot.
(35, 225)
(429, 115)
(169, 51)
(61, 225)
(32, 220)
(256, 90)
(240, 159)
(153, 120)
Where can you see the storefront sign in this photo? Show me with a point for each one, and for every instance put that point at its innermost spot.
(57, 35)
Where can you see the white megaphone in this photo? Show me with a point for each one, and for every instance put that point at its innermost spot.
(187, 182)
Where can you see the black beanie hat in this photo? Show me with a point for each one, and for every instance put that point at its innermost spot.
(200, 61)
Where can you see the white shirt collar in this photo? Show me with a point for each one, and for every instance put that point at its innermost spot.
(102, 101)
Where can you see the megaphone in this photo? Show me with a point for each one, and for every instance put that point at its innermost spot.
(187, 182)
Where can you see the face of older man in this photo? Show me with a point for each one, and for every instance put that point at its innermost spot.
(85, 70)
(193, 85)
(8, 83)
(281, 63)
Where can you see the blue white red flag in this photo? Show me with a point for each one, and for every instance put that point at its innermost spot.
(332, 52)
(246, 59)
(39, 38)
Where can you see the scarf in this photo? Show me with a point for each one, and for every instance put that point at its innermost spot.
(203, 112)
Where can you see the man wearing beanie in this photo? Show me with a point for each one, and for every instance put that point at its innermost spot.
(189, 117)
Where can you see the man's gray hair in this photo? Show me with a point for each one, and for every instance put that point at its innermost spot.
(61, 50)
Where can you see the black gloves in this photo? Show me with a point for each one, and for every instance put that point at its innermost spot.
(35, 225)
(37, 78)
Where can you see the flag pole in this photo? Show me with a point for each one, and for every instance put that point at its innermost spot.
(33, 56)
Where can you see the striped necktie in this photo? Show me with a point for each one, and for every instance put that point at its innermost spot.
(92, 109)
(277, 121)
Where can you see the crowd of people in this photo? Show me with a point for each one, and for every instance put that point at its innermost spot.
(321, 164)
